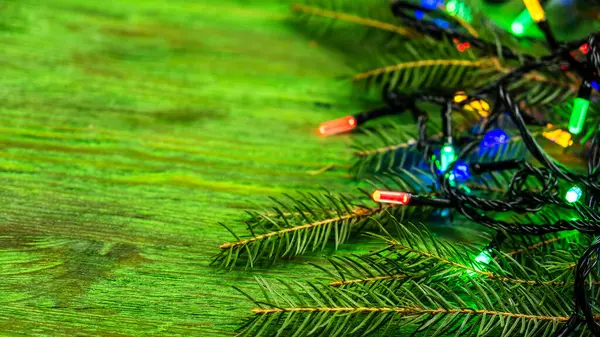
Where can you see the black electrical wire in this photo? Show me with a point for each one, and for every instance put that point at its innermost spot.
(520, 199)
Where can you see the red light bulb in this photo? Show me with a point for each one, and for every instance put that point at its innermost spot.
(389, 197)
(336, 126)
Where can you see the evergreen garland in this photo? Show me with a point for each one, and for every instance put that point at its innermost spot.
(535, 278)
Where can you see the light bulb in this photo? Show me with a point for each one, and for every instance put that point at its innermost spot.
(336, 126)
(573, 194)
(389, 197)
(578, 114)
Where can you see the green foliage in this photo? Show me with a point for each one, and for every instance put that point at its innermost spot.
(296, 226)
(419, 282)
(387, 54)
(425, 285)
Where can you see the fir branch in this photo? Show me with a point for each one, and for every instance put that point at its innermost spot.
(355, 214)
(432, 310)
(422, 63)
(464, 269)
(417, 255)
(300, 225)
(300, 8)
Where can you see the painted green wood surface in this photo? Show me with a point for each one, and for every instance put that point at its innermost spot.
(128, 130)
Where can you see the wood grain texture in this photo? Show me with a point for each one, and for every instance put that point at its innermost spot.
(131, 128)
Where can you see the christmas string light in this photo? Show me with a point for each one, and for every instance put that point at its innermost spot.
(548, 172)
(447, 157)
(573, 194)
(459, 9)
(389, 197)
(580, 108)
(480, 106)
(521, 23)
(348, 123)
(340, 125)
(560, 137)
(484, 257)
(494, 137)
(408, 199)
(432, 4)
(535, 10)
(520, 197)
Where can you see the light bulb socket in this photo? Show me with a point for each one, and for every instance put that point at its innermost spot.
(375, 113)
(585, 90)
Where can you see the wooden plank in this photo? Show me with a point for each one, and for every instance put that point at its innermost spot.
(129, 130)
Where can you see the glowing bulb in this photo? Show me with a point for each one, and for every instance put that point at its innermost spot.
(494, 137)
(447, 157)
(460, 96)
(419, 14)
(560, 137)
(459, 9)
(482, 107)
(573, 194)
(578, 114)
(336, 126)
(517, 28)
(451, 6)
(484, 257)
(461, 171)
(431, 4)
(535, 10)
(389, 197)
(521, 23)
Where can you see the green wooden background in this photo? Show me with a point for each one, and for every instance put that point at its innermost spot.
(128, 130)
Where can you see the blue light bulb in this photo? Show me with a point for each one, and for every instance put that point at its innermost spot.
(494, 137)
(461, 171)
(431, 4)
(595, 85)
(419, 14)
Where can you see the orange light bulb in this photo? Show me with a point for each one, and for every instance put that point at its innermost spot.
(336, 126)
(389, 197)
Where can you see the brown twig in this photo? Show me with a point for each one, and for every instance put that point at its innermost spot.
(356, 214)
(422, 63)
(412, 311)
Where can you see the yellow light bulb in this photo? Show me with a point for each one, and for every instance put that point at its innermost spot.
(535, 10)
(482, 107)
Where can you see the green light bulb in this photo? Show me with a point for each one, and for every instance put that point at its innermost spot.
(573, 194)
(517, 28)
(580, 107)
(521, 23)
(484, 257)
(459, 9)
(451, 6)
(447, 157)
